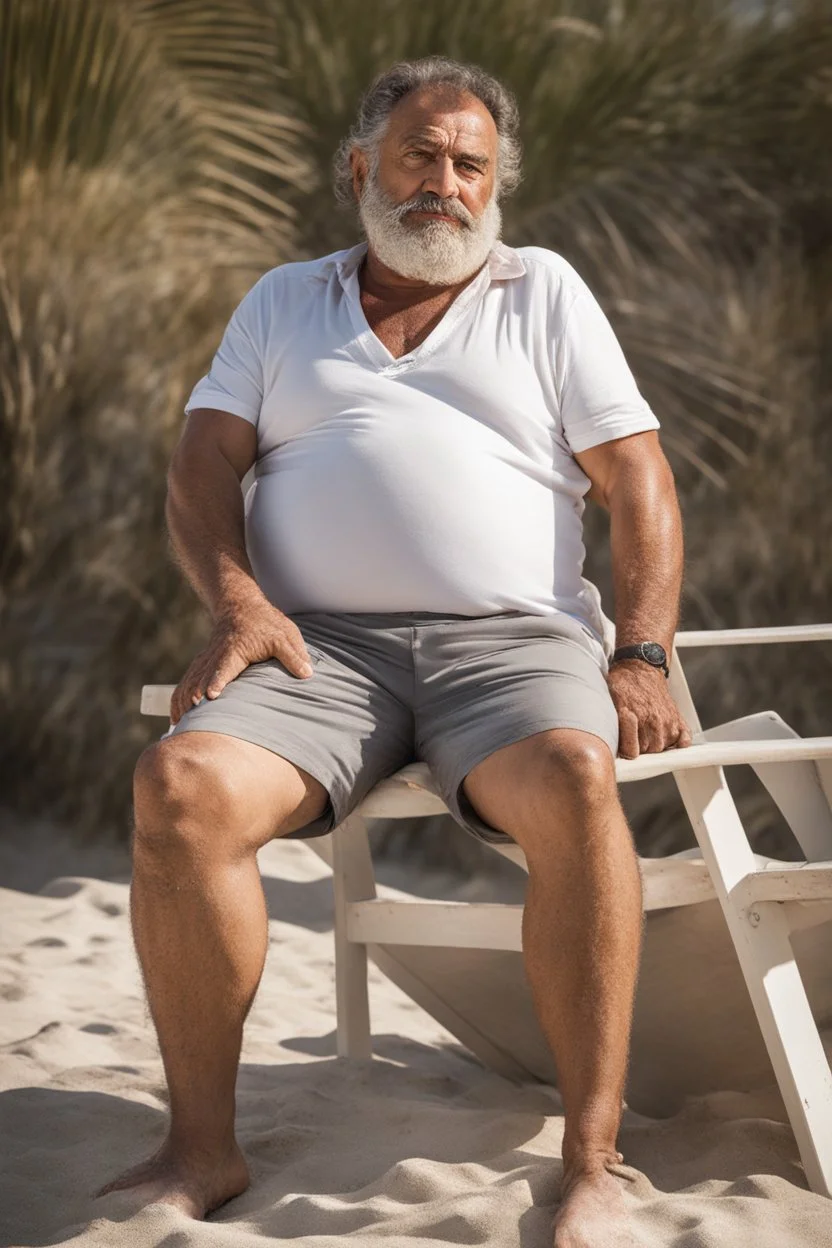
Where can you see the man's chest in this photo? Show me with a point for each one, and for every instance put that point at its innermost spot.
(401, 329)
(340, 368)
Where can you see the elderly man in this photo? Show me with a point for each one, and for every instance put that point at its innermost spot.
(426, 412)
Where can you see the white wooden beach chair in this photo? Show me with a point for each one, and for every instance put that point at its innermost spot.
(430, 948)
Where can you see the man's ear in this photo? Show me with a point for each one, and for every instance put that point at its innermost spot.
(358, 164)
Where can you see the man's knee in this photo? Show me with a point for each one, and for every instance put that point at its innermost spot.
(569, 795)
(577, 766)
(561, 776)
(181, 796)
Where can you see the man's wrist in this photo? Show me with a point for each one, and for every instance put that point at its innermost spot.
(636, 665)
(237, 599)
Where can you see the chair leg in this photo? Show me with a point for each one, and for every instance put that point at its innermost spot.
(352, 880)
(790, 1033)
(761, 937)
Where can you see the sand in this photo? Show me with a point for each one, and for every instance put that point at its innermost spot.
(418, 1147)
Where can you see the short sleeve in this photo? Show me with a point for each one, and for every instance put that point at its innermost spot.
(599, 397)
(234, 382)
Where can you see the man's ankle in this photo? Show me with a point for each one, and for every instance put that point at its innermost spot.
(588, 1158)
(200, 1147)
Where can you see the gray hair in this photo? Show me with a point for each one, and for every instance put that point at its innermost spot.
(430, 71)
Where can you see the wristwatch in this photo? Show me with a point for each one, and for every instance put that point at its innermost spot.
(649, 651)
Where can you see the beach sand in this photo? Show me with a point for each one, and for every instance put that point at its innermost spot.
(418, 1147)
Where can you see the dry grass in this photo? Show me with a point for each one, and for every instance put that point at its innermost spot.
(155, 156)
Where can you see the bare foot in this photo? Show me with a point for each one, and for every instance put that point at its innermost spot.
(194, 1185)
(594, 1210)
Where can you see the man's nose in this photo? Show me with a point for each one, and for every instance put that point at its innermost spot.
(441, 178)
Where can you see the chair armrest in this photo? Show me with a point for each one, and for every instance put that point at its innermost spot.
(752, 636)
(156, 700)
(704, 753)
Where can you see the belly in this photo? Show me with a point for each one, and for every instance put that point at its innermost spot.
(387, 523)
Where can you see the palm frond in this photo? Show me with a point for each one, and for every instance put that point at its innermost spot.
(154, 90)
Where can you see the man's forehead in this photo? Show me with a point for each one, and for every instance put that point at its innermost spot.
(436, 119)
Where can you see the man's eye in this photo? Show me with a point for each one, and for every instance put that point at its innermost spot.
(465, 164)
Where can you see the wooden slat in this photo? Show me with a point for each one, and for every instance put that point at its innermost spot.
(752, 636)
(156, 700)
(497, 925)
(721, 754)
(456, 924)
(787, 882)
(354, 884)
(674, 881)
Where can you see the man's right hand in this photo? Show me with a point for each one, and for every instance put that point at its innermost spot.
(250, 632)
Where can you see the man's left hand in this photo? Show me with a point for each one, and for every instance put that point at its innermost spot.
(648, 718)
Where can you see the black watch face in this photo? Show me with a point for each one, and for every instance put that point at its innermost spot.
(654, 653)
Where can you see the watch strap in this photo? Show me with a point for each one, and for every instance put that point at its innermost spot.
(637, 652)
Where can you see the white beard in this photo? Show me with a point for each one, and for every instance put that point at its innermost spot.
(434, 251)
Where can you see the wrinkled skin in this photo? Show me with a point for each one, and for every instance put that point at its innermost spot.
(250, 633)
(649, 720)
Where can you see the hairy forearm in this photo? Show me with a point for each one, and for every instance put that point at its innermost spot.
(647, 556)
(205, 518)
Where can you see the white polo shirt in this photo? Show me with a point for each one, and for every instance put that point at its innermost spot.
(443, 481)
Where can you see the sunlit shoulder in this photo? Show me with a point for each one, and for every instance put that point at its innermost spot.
(546, 264)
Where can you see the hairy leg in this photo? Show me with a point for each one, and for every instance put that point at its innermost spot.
(555, 794)
(204, 804)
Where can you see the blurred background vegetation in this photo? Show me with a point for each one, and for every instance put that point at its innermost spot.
(157, 156)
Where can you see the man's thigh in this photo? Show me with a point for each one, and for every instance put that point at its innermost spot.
(344, 726)
(486, 684)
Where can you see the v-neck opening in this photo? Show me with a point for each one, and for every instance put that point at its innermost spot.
(382, 356)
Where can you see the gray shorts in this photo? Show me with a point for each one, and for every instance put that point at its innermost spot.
(391, 689)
